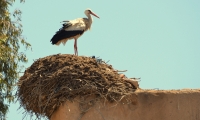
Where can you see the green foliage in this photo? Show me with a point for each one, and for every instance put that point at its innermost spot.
(10, 57)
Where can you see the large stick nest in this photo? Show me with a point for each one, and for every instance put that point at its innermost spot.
(52, 80)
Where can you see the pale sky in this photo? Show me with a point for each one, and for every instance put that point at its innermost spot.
(158, 41)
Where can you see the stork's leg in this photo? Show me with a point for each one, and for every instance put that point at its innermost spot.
(75, 47)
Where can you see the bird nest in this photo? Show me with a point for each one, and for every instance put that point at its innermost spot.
(52, 80)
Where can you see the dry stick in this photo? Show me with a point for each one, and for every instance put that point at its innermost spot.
(40, 97)
(115, 105)
(120, 70)
(136, 79)
(100, 113)
(84, 111)
(107, 61)
(47, 103)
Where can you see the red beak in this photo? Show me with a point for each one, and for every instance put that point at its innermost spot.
(94, 14)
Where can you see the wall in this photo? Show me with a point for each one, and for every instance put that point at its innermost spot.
(144, 105)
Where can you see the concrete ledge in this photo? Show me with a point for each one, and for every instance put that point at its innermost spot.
(143, 105)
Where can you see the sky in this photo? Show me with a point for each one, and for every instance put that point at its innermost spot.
(157, 41)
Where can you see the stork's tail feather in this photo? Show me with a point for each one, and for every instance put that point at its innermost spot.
(63, 34)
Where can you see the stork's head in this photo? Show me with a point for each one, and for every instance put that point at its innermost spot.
(89, 11)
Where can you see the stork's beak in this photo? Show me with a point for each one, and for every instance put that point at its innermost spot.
(94, 14)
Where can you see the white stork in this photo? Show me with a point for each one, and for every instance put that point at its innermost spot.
(73, 29)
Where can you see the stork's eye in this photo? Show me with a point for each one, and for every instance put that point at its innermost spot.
(89, 11)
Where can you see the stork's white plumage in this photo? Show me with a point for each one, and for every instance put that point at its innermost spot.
(73, 29)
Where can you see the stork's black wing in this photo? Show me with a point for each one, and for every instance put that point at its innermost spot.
(63, 34)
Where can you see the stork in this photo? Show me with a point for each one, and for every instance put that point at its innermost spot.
(73, 29)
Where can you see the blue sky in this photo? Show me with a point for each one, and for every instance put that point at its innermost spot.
(158, 41)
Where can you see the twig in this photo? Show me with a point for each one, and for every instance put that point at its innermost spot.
(120, 70)
(47, 103)
(100, 113)
(135, 79)
(107, 61)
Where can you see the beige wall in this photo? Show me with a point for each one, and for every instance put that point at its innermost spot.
(145, 105)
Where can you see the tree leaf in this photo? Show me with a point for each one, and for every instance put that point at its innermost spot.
(11, 58)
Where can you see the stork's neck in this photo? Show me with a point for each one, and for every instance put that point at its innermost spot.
(89, 20)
